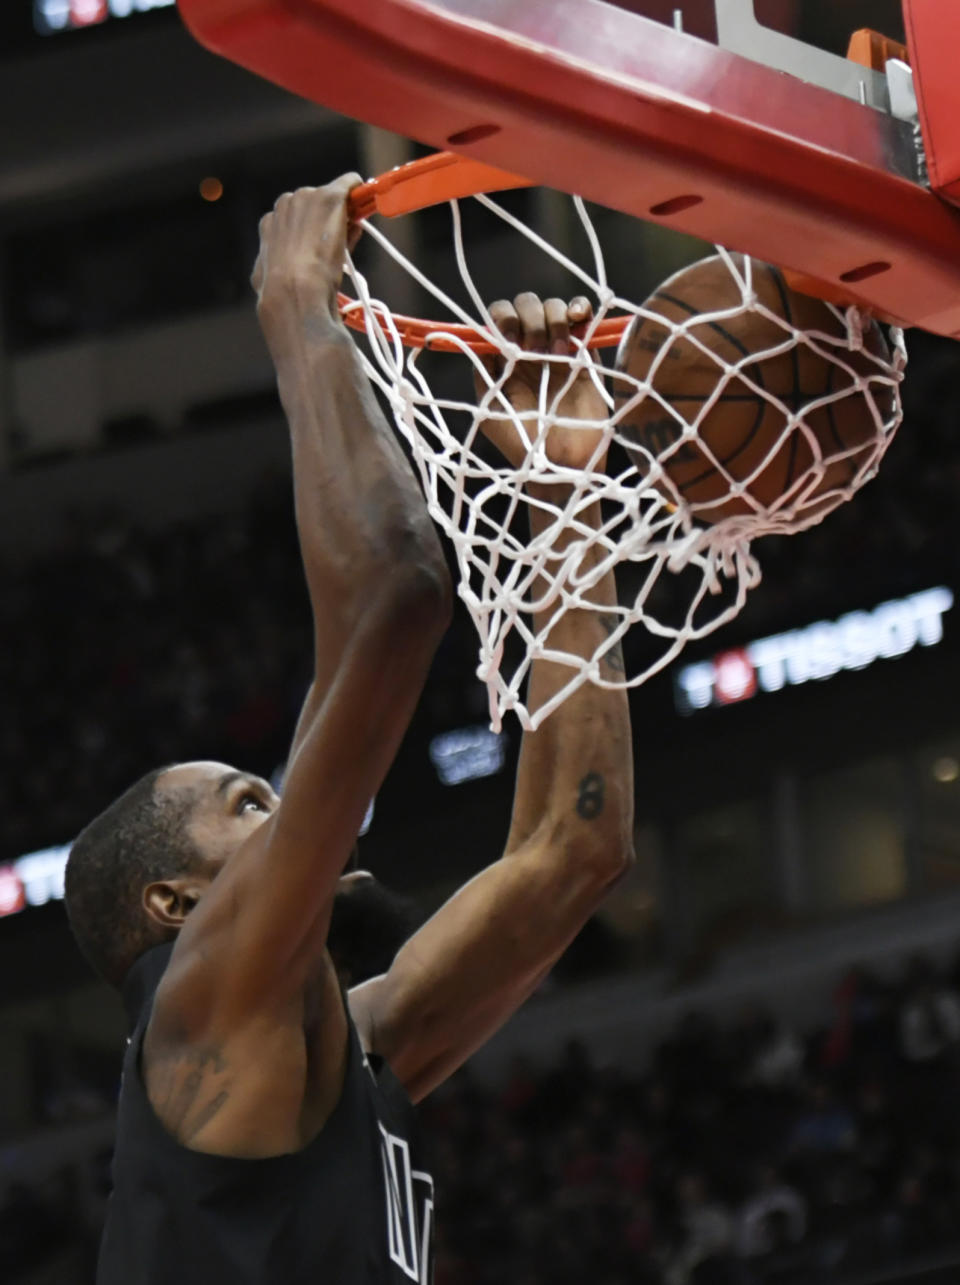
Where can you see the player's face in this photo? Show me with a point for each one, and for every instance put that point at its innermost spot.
(227, 807)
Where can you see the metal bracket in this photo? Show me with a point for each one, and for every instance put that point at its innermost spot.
(739, 32)
(904, 106)
(903, 94)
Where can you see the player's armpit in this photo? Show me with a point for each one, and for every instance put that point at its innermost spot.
(469, 968)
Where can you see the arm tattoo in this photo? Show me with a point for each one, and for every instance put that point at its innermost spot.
(590, 796)
(182, 1085)
(613, 656)
(207, 1113)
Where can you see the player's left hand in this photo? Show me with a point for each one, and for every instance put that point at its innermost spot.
(544, 327)
(303, 244)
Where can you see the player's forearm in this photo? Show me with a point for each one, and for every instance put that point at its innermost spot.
(483, 953)
(576, 770)
(362, 520)
(477, 960)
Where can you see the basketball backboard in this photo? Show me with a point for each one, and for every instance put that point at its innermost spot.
(838, 171)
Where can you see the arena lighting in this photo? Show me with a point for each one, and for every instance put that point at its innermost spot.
(946, 769)
(467, 754)
(33, 880)
(52, 16)
(367, 817)
(816, 652)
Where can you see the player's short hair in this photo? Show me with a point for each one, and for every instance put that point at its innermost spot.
(140, 838)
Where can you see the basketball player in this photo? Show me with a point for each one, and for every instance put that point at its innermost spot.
(265, 1131)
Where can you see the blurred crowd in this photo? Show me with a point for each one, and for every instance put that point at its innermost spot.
(745, 1153)
(132, 650)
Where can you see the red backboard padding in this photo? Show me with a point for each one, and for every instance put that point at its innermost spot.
(586, 97)
(933, 34)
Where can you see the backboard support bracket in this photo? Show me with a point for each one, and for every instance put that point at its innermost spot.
(739, 31)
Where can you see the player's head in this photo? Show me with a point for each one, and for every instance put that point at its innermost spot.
(140, 867)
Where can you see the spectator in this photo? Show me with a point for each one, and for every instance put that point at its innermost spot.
(706, 1234)
(774, 1217)
(825, 1126)
(929, 1018)
(778, 1056)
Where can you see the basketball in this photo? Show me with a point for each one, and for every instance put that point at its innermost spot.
(743, 432)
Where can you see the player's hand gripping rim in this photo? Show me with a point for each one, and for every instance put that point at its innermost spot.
(304, 242)
(544, 329)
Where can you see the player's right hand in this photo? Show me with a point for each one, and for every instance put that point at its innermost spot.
(303, 243)
(542, 327)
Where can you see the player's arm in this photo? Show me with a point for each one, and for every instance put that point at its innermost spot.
(379, 591)
(466, 971)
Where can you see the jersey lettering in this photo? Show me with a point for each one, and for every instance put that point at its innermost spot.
(409, 1195)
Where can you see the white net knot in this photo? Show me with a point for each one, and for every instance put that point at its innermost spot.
(855, 323)
(406, 401)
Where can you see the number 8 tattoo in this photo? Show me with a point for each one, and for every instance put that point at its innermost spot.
(590, 797)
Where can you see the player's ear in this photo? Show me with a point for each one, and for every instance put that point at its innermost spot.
(169, 901)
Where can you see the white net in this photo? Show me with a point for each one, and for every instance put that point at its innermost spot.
(714, 434)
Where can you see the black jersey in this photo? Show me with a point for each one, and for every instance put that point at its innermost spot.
(354, 1207)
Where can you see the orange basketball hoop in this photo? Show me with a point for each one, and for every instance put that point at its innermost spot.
(432, 180)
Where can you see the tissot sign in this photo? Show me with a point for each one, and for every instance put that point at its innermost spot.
(815, 652)
(50, 16)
